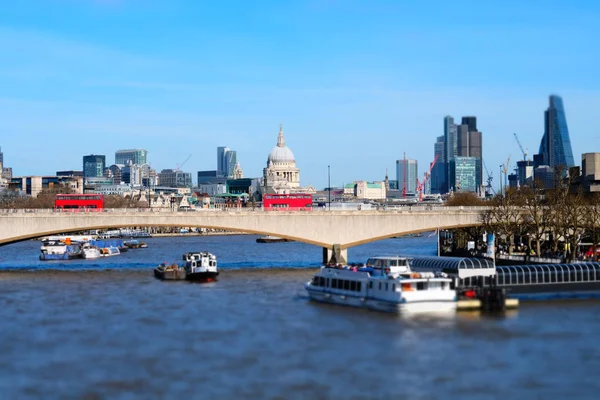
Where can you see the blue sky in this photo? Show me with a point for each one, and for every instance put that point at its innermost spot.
(355, 83)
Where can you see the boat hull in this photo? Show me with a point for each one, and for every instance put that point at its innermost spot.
(415, 307)
(56, 256)
(209, 276)
(169, 275)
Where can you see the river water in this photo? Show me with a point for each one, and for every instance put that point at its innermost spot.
(97, 329)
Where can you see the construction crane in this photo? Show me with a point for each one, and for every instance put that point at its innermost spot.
(505, 170)
(421, 185)
(489, 190)
(521, 147)
(184, 161)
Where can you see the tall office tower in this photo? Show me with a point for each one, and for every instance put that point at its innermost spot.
(450, 148)
(462, 140)
(229, 163)
(471, 122)
(469, 145)
(1, 156)
(438, 180)
(476, 150)
(221, 160)
(133, 156)
(555, 147)
(407, 173)
(93, 166)
(226, 160)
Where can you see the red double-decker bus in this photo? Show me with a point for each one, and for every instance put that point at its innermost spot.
(79, 201)
(288, 202)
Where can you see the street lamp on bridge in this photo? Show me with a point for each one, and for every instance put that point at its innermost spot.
(329, 186)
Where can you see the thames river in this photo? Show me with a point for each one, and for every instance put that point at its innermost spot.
(97, 329)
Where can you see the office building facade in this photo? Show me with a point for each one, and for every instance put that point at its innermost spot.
(438, 181)
(175, 178)
(93, 166)
(226, 162)
(407, 173)
(463, 174)
(131, 156)
(465, 141)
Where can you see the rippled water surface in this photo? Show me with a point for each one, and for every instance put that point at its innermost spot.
(106, 328)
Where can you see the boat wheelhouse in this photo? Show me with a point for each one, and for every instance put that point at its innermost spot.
(200, 266)
(385, 284)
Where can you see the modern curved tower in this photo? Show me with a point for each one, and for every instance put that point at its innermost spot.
(555, 147)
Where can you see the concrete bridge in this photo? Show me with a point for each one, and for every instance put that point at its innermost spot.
(334, 231)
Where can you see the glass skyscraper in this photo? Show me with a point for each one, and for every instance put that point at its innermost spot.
(135, 156)
(464, 174)
(407, 172)
(93, 166)
(555, 148)
(226, 160)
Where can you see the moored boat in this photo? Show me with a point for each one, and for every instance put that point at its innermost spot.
(135, 244)
(385, 284)
(169, 272)
(109, 251)
(59, 250)
(90, 252)
(200, 266)
(271, 239)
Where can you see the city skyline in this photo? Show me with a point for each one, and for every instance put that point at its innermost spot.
(104, 75)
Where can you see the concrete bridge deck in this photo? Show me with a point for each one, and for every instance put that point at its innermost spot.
(328, 229)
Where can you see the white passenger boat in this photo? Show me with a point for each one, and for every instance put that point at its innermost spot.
(90, 252)
(200, 266)
(385, 284)
(59, 250)
(109, 251)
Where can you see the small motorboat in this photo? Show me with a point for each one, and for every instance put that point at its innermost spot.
(200, 266)
(109, 251)
(90, 252)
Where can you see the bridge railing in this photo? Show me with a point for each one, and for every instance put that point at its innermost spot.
(320, 210)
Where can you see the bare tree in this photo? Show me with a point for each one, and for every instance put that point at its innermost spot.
(592, 221)
(536, 216)
(506, 216)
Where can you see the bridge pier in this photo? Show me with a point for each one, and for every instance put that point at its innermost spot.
(335, 255)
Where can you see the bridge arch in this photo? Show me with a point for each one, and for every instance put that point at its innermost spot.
(334, 231)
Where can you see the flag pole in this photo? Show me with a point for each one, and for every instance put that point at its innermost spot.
(438, 241)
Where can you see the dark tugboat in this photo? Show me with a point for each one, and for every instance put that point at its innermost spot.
(200, 266)
(169, 272)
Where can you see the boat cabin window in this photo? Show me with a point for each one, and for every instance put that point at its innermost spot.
(421, 286)
(393, 287)
(346, 285)
(393, 263)
(371, 285)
